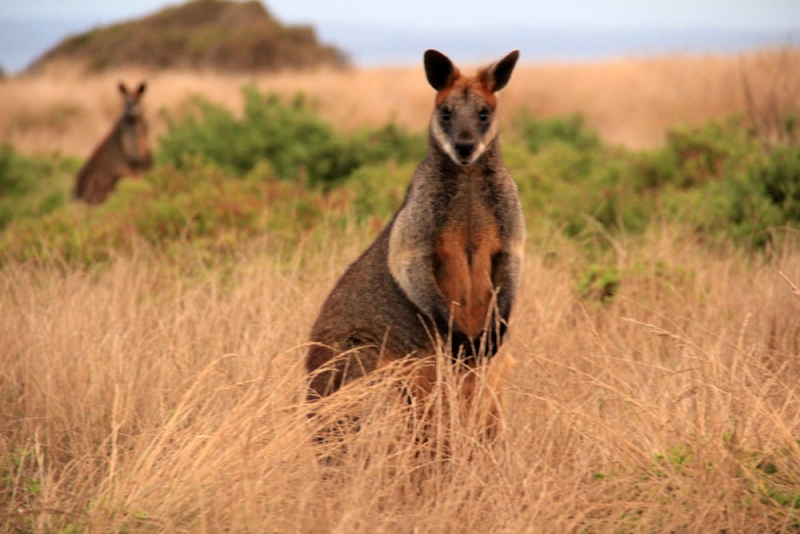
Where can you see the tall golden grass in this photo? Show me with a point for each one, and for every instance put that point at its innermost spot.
(141, 396)
(135, 398)
(629, 101)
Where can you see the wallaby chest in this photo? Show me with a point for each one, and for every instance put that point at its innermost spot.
(464, 253)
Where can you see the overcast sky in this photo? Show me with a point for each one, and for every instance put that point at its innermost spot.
(725, 14)
(29, 27)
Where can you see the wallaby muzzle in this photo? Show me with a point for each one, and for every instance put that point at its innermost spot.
(464, 150)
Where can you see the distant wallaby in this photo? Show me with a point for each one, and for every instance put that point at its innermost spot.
(123, 152)
(446, 269)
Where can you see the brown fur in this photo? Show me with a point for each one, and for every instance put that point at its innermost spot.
(464, 279)
(475, 84)
(123, 152)
(442, 276)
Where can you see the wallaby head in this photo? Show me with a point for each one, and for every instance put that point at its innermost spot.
(134, 127)
(464, 123)
(132, 101)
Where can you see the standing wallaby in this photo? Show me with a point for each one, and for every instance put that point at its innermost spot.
(446, 268)
(123, 152)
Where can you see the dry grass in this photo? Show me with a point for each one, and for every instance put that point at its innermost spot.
(629, 101)
(136, 399)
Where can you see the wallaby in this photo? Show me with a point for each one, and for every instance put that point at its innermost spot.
(123, 152)
(445, 271)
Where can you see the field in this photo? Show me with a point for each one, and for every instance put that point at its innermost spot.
(151, 378)
(630, 101)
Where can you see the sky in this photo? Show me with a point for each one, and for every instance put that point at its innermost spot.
(727, 14)
(375, 31)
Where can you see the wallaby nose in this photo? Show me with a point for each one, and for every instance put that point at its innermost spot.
(465, 148)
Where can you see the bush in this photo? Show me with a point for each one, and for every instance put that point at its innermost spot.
(17, 174)
(692, 157)
(292, 138)
(199, 206)
(377, 190)
(282, 171)
(32, 186)
(390, 143)
(566, 173)
(716, 177)
(570, 130)
(780, 175)
(723, 182)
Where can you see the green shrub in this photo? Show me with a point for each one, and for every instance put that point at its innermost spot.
(599, 283)
(570, 130)
(17, 174)
(283, 172)
(780, 175)
(32, 186)
(390, 142)
(199, 206)
(576, 188)
(292, 138)
(377, 190)
(692, 157)
(716, 177)
(724, 183)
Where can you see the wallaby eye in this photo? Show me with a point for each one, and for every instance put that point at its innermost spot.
(483, 115)
(445, 114)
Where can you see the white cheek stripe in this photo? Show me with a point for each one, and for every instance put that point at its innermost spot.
(444, 142)
(484, 143)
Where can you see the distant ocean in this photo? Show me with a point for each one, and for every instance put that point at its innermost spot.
(23, 41)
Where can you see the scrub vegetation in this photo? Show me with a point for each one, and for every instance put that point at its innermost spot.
(151, 378)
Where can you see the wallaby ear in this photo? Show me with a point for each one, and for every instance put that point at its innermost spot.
(140, 90)
(439, 69)
(497, 74)
(122, 88)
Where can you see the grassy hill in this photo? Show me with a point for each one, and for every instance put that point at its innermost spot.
(204, 34)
